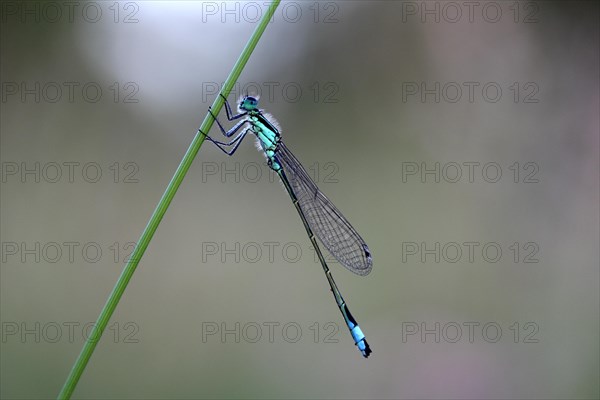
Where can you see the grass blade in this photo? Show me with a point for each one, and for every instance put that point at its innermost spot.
(159, 212)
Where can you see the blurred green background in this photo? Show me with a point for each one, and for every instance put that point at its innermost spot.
(228, 301)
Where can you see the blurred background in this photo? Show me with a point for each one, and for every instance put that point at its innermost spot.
(461, 140)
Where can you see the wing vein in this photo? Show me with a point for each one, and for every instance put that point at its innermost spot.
(326, 221)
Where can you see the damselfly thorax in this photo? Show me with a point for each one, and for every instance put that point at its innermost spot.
(268, 137)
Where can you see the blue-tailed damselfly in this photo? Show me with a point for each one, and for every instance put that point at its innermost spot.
(318, 214)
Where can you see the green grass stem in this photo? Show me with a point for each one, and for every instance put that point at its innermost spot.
(130, 267)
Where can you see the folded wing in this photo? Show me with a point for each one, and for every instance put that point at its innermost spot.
(325, 220)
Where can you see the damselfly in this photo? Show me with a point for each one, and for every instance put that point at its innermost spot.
(318, 214)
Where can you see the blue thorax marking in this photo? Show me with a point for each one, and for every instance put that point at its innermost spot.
(268, 136)
(266, 132)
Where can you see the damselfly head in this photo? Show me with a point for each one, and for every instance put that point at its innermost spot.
(248, 103)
